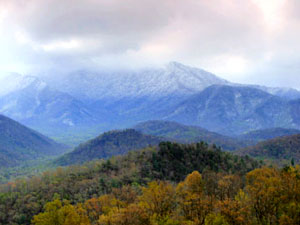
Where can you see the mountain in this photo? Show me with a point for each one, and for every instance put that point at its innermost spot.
(33, 103)
(86, 102)
(19, 143)
(77, 106)
(188, 134)
(136, 95)
(286, 93)
(172, 79)
(107, 145)
(281, 149)
(266, 134)
(232, 110)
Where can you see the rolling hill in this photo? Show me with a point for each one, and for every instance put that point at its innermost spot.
(108, 144)
(188, 134)
(267, 134)
(281, 149)
(19, 143)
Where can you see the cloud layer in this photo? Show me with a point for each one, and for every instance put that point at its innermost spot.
(244, 41)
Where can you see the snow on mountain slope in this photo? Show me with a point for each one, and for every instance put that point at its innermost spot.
(13, 82)
(119, 99)
(32, 102)
(174, 78)
(233, 110)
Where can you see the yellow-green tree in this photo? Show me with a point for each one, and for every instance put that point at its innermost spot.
(158, 200)
(264, 187)
(192, 202)
(61, 213)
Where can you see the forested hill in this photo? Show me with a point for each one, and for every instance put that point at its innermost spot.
(188, 134)
(109, 144)
(267, 134)
(22, 199)
(281, 149)
(19, 143)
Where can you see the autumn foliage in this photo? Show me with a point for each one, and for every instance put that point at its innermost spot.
(268, 196)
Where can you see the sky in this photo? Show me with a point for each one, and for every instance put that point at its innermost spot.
(246, 41)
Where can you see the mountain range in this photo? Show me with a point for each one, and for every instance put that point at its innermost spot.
(79, 106)
(151, 133)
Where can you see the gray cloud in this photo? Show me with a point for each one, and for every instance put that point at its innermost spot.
(240, 40)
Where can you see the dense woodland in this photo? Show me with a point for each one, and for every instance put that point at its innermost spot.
(269, 196)
(170, 162)
(280, 150)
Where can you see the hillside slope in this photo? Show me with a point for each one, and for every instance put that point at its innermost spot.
(19, 143)
(232, 110)
(281, 149)
(109, 144)
(188, 134)
(267, 134)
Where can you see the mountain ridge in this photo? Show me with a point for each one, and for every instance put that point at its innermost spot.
(108, 144)
(82, 104)
(19, 143)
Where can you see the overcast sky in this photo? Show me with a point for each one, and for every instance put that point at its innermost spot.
(249, 41)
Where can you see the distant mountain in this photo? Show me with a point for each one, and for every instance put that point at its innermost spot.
(286, 93)
(233, 110)
(19, 143)
(295, 111)
(267, 134)
(281, 149)
(80, 105)
(107, 145)
(172, 79)
(33, 103)
(188, 134)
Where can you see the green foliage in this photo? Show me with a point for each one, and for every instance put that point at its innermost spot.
(107, 145)
(282, 150)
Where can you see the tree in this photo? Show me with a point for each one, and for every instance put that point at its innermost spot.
(158, 199)
(191, 199)
(61, 213)
(264, 187)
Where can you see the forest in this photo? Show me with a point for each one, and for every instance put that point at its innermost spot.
(269, 196)
(73, 186)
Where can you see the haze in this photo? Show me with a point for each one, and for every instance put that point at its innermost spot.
(254, 41)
